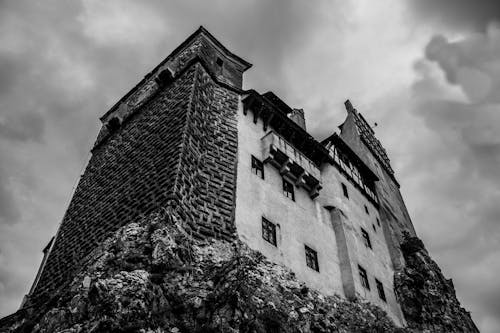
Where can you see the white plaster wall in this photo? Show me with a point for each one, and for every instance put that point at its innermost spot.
(307, 222)
(300, 222)
(375, 261)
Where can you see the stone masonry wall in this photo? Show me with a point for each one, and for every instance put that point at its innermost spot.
(207, 180)
(179, 150)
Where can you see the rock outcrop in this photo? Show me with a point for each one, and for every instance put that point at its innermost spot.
(151, 276)
(427, 298)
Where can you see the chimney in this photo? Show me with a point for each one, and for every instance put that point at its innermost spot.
(298, 117)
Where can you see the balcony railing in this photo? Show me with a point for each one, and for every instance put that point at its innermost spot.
(291, 162)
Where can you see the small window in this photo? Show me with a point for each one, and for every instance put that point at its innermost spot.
(288, 190)
(363, 277)
(344, 189)
(380, 289)
(378, 222)
(257, 167)
(366, 210)
(269, 231)
(366, 238)
(219, 62)
(374, 227)
(311, 258)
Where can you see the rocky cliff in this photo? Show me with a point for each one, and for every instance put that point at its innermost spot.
(427, 298)
(152, 277)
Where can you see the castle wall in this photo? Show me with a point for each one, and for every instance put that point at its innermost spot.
(132, 174)
(178, 150)
(377, 260)
(300, 222)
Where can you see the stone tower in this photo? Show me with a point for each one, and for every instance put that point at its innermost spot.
(237, 164)
(170, 141)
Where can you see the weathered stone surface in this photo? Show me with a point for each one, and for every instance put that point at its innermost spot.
(427, 298)
(150, 276)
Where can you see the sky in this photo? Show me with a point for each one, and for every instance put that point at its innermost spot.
(426, 71)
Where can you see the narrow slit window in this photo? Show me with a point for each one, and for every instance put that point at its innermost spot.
(366, 238)
(363, 277)
(380, 289)
(344, 189)
(288, 189)
(378, 222)
(257, 167)
(269, 231)
(311, 258)
(366, 210)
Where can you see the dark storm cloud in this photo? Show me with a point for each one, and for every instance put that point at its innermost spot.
(464, 162)
(459, 13)
(8, 210)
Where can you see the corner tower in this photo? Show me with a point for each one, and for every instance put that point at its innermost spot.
(169, 143)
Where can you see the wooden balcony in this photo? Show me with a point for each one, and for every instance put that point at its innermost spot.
(291, 163)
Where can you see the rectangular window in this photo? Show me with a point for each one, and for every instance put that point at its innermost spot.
(366, 238)
(257, 167)
(363, 277)
(380, 289)
(374, 228)
(366, 210)
(269, 231)
(344, 189)
(288, 190)
(311, 258)
(378, 222)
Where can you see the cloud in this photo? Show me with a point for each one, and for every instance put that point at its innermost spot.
(456, 98)
(458, 13)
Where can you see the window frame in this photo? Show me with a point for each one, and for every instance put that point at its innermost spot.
(286, 191)
(345, 191)
(366, 238)
(363, 276)
(380, 290)
(269, 229)
(311, 258)
(257, 167)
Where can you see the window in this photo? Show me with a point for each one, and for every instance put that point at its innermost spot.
(257, 167)
(269, 231)
(344, 189)
(219, 62)
(380, 289)
(374, 228)
(363, 277)
(366, 210)
(378, 222)
(312, 258)
(288, 189)
(366, 238)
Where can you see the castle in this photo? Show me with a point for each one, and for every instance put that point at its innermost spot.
(235, 163)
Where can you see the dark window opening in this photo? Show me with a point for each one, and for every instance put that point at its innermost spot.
(374, 228)
(311, 258)
(269, 231)
(380, 289)
(257, 167)
(344, 189)
(288, 190)
(219, 62)
(366, 238)
(366, 210)
(378, 222)
(363, 277)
